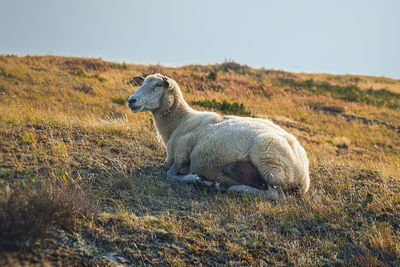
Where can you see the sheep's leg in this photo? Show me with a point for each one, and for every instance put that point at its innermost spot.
(169, 160)
(271, 193)
(191, 178)
(188, 178)
(182, 151)
(168, 163)
(245, 173)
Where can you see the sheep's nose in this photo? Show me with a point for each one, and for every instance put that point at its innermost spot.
(132, 101)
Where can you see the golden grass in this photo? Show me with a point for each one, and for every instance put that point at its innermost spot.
(65, 117)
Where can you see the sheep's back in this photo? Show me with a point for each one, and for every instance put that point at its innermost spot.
(230, 140)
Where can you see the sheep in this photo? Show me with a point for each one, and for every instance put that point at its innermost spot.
(238, 153)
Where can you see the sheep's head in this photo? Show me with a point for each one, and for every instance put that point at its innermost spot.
(148, 97)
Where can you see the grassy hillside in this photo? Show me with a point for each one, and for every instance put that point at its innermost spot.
(81, 177)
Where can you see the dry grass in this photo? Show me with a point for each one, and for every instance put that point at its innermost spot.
(30, 209)
(65, 118)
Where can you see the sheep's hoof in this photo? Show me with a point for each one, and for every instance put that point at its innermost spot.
(167, 165)
(204, 183)
(207, 183)
(271, 193)
(275, 193)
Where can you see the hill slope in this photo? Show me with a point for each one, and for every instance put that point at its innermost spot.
(82, 181)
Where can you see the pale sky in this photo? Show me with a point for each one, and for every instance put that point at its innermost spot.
(353, 36)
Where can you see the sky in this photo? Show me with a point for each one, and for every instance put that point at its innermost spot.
(321, 36)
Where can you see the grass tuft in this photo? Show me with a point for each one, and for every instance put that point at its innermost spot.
(351, 93)
(224, 106)
(29, 210)
(119, 101)
(87, 89)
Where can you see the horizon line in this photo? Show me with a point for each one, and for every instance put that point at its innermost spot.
(159, 63)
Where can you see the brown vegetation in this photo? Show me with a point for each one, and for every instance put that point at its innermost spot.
(82, 181)
(29, 210)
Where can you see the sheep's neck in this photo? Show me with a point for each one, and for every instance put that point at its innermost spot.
(167, 120)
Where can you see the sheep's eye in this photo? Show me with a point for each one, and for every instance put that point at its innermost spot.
(157, 87)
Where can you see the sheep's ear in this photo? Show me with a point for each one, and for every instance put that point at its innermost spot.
(165, 81)
(137, 80)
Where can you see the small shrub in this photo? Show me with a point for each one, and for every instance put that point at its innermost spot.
(119, 101)
(6, 75)
(327, 107)
(350, 93)
(355, 80)
(333, 109)
(232, 66)
(212, 75)
(98, 77)
(78, 72)
(84, 89)
(224, 106)
(118, 66)
(30, 137)
(28, 210)
(89, 64)
(23, 217)
(151, 69)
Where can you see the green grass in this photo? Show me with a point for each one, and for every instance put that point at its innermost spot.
(119, 100)
(224, 106)
(352, 93)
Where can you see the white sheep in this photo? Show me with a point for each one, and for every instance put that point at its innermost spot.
(238, 153)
